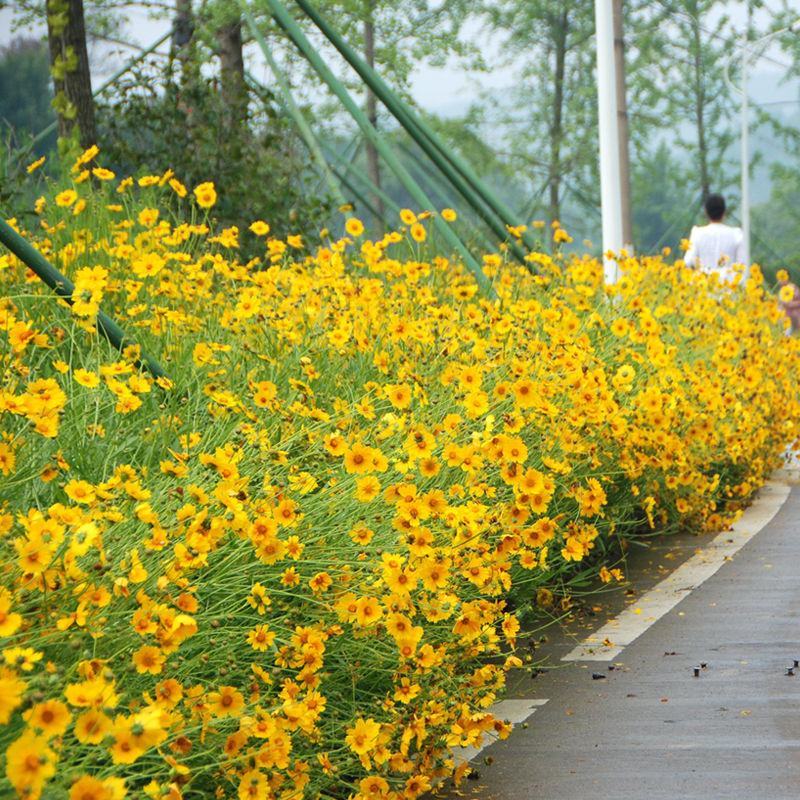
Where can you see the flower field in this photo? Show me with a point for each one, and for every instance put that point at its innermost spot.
(299, 565)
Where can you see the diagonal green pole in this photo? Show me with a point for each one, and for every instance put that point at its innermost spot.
(491, 209)
(292, 108)
(439, 189)
(64, 288)
(358, 195)
(330, 172)
(347, 168)
(351, 150)
(285, 20)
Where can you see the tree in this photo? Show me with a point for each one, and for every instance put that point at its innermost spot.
(232, 81)
(776, 223)
(548, 121)
(69, 65)
(695, 91)
(662, 215)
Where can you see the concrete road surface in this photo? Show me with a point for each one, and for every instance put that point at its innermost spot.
(648, 728)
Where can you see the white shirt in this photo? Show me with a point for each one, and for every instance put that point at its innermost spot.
(715, 247)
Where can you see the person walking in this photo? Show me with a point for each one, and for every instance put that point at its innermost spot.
(716, 247)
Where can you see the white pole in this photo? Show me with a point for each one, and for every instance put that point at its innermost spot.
(745, 145)
(610, 183)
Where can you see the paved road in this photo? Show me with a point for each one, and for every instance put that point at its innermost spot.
(650, 729)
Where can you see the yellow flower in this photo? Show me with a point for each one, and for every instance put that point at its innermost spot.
(448, 215)
(178, 187)
(368, 611)
(30, 763)
(86, 378)
(32, 167)
(260, 228)
(8, 461)
(320, 582)
(80, 491)
(418, 233)
(560, 236)
(92, 727)
(12, 690)
(358, 459)
(367, 488)
(51, 717)
(85, 157)
(354, 226)
(148, 659)
(407, 216)
(66, 198)
(205, 194)
(253, 785)
(573, 550)
(103, 174)
(148, 265)
(89, 788)
(399, 395)
(261, 637)
(227, 702)
(786, 293)
(374, 787)
(148, 217)
(362, 737)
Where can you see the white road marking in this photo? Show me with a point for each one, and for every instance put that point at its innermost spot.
(514, 711)
(636, 619)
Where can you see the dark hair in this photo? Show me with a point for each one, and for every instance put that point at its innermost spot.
(715, 207)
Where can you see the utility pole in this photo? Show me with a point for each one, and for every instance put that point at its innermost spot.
(609, 136)
(622, 126)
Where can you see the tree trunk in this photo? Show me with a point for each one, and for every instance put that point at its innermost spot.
(558, 29)
(182, 28)
(232, 82)
(182, 50)
(69, 64)
(700, 107)
(373, 164)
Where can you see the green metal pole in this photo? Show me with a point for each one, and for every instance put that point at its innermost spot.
(437, 190)
(285, 20)
(358, 196)
(110, 82)
(292, 108)
(491, 209)
(477, 230)
(350, 167)
(64, 288)
(350, 150)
